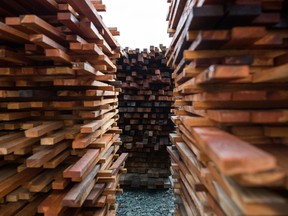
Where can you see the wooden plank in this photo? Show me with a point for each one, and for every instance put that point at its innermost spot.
(9, 137)
(276, 131)
(39, 25)
(45, 42)
(190, 55)
(16, 144)
(275, 74)
(54, 162)
(30, 208)
(77, 195)
(14, 195)
(230, 154)
(52, 203)
(39, 183)
(81, 166)
(58, 55)
(13, 57)
(230, 116)
(13, 34)
(48, 92)
(116, 165)
(210, 39)
(12, 208)
(86, 8)
(13, 182)
(94, 194)
(244, 36)
(69, 20)
(190, 121)
(54, 138)
(93, 126)
(39, 158)
(222, 73)
(43, 129)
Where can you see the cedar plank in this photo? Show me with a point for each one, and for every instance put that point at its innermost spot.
(230, 154)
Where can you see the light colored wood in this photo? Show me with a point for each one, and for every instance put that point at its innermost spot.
(103, 141)
(43, 129)
(54, 138)
(93, 126)
(83, 140)
(190, 121)
(273, 178)
(81, 166)
(229, 116)
(29, 125)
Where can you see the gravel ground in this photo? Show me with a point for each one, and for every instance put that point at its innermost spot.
(146, 203)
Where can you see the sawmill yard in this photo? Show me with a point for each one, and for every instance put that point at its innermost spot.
(93, 127)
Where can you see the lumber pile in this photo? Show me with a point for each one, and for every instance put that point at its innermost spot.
(230, 61)
(58, 112)
(144, 107)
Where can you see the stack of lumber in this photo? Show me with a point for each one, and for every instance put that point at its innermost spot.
(230, 61)
(58, 111)
(144, 107)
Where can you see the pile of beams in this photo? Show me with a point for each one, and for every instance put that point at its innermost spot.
(230, 61)
(58, 131)
(144, 105)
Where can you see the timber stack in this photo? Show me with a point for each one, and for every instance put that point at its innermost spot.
(230, 61)
(144, 107)
(58, 121)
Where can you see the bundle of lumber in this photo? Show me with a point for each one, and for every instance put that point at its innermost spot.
(58, 112)
(230, 61)
(144, 107)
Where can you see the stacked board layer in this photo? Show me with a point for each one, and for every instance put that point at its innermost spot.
(58, 112)
(145, 106)
(230, 62)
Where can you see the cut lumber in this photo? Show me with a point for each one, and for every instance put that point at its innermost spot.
(43, 129)
(229, 60)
